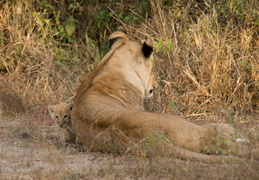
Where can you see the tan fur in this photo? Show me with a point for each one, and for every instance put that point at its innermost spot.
(108, 113)
(61, 114)
(1, 110)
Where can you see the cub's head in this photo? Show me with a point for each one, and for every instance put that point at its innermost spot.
(138, 61)
(61, 114)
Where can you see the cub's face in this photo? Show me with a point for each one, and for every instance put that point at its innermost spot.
(61, 114)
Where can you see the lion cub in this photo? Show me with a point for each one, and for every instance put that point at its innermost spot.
(61, 114)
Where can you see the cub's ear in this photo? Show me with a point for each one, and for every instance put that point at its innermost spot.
(51, 109)
(116, 39)
(147, 47)
(70, 106)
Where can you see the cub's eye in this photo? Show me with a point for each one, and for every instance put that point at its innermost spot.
(56, 117)
(150, 91)
(66, 116)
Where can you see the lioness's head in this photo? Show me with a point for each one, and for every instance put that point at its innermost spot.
(140, 57)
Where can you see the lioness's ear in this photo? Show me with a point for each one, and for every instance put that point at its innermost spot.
(147, 47)
(116, 39)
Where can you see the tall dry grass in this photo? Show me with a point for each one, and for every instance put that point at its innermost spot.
(41, 69)
(208, 56)
(207, 52)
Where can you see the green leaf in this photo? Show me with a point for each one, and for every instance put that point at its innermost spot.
(59, 63)
(207, 150)
(173, 104)
(70, 26)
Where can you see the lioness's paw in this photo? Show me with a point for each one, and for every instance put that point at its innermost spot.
(242, 141)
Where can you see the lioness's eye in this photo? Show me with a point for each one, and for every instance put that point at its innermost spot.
(150, 91)
(56, 117)
(65, 116)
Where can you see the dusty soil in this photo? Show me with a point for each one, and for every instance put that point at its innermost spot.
(32, 148)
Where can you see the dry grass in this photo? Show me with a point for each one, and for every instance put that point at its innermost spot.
(42, 70)
(207, 59)
(206, 65)
(212, 67)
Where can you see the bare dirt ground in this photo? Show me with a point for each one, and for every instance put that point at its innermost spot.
(31, 148)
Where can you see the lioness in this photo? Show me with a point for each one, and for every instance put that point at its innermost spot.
(108, 112)
(61, 114)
